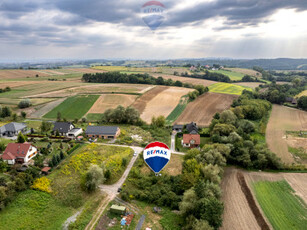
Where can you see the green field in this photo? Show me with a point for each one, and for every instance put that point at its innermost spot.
(94, 117)
(172, 117)
(34, 210)
(234, 76)
(281, 206)
(228, 88)
(73, 107)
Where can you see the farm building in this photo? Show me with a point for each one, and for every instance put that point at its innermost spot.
(74, 132)
(178, 128)
(12, 129)
(192, 128)
(63, 128)
(105, 132)
(18, 153)
(191, 140)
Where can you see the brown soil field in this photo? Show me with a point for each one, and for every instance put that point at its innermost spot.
(237, 213)
(250, 72)
(249, 84)
(141, 102)
(193, 81)
(162, 103)
(284, 119)
(7, 74)
(204, 107)
(111, 101)
(86, 88)
(14, 84)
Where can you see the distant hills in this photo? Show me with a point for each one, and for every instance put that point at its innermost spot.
(267, 64)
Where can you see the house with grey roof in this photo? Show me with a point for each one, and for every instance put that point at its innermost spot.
(105, 132)
(63, 128)
(192, 128)
(12, 129)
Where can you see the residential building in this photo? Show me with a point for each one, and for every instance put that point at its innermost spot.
(12, 129)
(19, 153)
(192, 128)
(63, 128)
(105, 132)
(191, 140)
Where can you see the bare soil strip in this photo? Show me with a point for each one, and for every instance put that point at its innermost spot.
(46, 108)
(284, 119)
(237, 213)
(204, 107)
(252, 203)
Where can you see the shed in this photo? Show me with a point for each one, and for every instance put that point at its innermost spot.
(118, 209)
(46, 170)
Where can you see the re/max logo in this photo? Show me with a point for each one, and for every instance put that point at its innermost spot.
(157, 151)
(153, 10)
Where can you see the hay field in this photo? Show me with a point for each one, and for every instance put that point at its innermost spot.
(233, 75)
(284, 119)
(111, 101)
(204, 107)
(159, 101)
(190, 80)
(250, 72)
(16, 73)
(228, 88)
(252, 85)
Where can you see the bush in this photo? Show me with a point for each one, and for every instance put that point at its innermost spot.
(93, 178)
(24, 104)
(42, 184)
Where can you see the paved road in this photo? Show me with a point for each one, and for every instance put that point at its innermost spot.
(173, 138)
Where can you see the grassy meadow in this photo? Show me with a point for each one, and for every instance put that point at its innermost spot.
(73, 107)
(234, 76)
(228, 88)
(281, 206)
(34, 210)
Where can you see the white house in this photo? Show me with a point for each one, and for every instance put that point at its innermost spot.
(18, 153)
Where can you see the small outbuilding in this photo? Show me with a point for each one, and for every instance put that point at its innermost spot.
(178, 128)
(46, 170)
(118, 209)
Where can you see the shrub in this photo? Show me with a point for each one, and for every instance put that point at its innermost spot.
(24, 104)
(42, 184)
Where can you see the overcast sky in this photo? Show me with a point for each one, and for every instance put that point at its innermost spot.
(34, 29)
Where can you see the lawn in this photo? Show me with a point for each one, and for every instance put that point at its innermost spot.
(172, 117)
(281, 206)
(94, 117)
(228, 88)
(34, 210)
(73, 107)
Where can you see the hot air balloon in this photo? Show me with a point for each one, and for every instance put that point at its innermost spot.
(153, 14)
(156, 156)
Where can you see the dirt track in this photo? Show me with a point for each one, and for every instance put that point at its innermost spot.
(284, 119)
(204, 107)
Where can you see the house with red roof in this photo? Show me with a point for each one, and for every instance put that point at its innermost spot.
(18, 153)
(191, 140)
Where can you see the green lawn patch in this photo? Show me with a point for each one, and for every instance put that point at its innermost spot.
(94, 117)
(234, 76)
(281, 206)
(228, 88)
(299, 152)
(34, 210)
(172, 117)
(73, 107)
